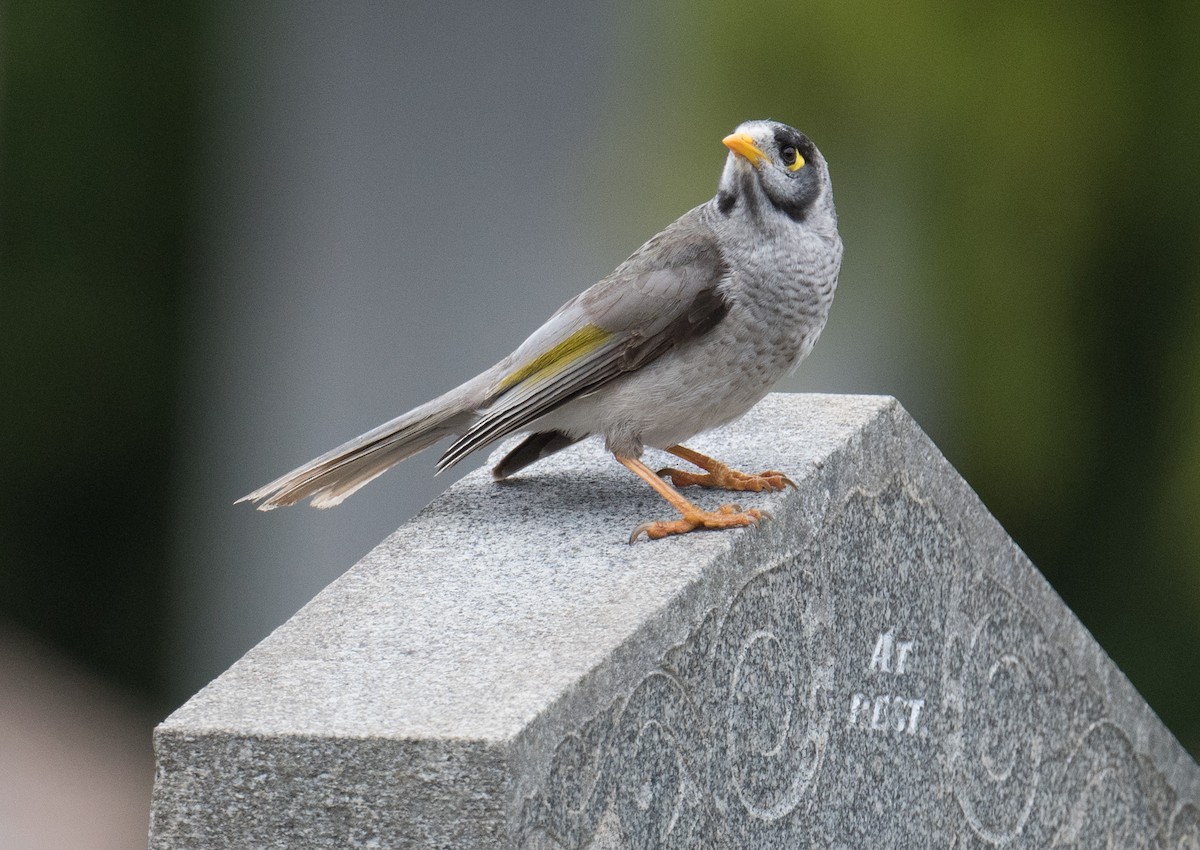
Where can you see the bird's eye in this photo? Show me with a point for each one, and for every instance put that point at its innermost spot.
(791, 158)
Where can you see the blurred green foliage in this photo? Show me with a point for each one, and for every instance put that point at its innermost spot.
(97, 148)
(1047, 155)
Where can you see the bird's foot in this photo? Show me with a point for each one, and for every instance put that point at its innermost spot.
(726, 516)
(724, 478)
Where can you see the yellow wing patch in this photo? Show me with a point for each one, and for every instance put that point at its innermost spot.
(579, 344)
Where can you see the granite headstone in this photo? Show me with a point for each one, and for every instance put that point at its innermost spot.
(878, 666)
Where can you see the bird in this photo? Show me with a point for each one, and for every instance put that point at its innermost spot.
(684, 336)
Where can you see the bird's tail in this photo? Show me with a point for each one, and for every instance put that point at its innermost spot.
(336, 474)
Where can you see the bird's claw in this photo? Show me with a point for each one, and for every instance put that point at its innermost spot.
(725, 478)
(726, 516)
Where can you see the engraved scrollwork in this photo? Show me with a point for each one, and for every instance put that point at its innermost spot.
(759, 723)
(1001, 721)
(1183, 829)
(771, 673)
(1029, 766)
(659, 757)
(1107, 792)
(723, 741)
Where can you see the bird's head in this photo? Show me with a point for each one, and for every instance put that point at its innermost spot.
(771, 166)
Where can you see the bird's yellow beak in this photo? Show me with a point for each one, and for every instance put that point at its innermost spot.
(742, 145)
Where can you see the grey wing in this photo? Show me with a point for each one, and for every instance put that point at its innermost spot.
(667, 293)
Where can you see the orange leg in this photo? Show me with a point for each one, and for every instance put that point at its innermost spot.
(719, 476)
(727, 516)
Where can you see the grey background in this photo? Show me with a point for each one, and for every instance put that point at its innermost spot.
(398, 196)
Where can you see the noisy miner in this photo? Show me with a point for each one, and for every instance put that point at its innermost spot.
(684, 336)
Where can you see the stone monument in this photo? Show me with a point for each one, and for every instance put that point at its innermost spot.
(878, 666)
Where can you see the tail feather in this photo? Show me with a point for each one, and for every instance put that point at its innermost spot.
(532, 449)
(339, 472)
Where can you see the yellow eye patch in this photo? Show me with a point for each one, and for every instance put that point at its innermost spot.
(791, 158)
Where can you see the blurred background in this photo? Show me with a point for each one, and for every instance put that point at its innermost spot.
(233, 235)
